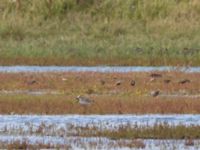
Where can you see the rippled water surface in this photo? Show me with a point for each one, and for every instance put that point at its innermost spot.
(101, 143)
(57, 130)
(106, 121)
(19, 127)
(95, 68)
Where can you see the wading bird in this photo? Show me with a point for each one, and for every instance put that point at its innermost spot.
(31, 82)
(133, 83)
(84, 100)
(155, 93)
(156, 75)
(167, 81)
(184, 81)
(118, 83)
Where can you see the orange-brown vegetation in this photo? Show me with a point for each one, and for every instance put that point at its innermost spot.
(103, 88)
(27, 145)
(157, 131)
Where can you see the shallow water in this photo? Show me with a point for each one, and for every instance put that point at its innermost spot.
(57, 125)
(99, 121)
(58, 130)
(124, 69)
(101, 143)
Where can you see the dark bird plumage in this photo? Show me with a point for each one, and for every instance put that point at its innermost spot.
(155, 93)
(167, 81)
(84, 100)
(184, 81)
(31, 82)
(118, 83)
(102, 82)
(156, 75)
(133, 83)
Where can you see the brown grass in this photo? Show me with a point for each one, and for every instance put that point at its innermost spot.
(157, 131)
(124, 131)
(102, 88)
(189, 142)
(83, 81)
(26, 145)
(63, 104)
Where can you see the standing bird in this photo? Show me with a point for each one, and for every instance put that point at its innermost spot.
(133, 83)
(152, 80)
(84, 100)
(156, 75)
(102, 82)
(155, 93)
(167, 81)
(31, 82)
(184, 81)
(118, 83)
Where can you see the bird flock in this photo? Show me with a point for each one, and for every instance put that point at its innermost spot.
(87, 101)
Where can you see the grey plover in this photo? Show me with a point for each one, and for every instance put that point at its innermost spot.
(155, 93)
(84, 100)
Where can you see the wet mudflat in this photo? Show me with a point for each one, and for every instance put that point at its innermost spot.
(53, 93)
(99, 107)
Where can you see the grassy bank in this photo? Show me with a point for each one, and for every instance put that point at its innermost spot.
(95, 32)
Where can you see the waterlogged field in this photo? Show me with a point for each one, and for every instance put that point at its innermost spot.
(100, 131)
(82, 143)
(39, 109)
(56, 92)
(38, 104)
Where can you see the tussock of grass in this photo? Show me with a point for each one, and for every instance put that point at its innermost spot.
(131, 32)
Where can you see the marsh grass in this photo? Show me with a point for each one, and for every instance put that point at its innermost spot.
(59, 90)
(132, 32)
(123, 131)
(157, 131)
(25, 144)
(63, 104)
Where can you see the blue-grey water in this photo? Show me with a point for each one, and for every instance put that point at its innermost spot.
(105, 121)
(122, 69)
(100, 143)
(62, 130)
